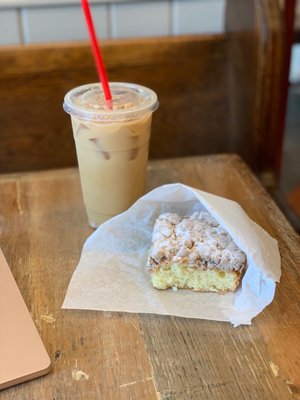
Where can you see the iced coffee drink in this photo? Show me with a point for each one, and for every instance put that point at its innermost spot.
(111, 145)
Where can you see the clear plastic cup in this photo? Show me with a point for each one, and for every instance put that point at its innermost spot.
(111, 145)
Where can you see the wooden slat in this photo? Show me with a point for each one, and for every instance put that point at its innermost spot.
(186, 72)
(94, 355)
(222, 91)
(255, 53)
(124, 356)
(212, 359)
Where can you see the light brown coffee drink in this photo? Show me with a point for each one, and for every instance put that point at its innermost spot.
(111, 145)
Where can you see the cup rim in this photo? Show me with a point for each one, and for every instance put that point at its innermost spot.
(106, 115)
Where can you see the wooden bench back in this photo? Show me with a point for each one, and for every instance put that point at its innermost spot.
(211, 89)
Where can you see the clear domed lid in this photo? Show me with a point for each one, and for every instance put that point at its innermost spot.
(130, 101)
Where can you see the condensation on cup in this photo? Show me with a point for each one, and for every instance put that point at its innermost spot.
(111, 145)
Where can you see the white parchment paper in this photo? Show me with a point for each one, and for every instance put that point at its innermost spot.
(112, 275)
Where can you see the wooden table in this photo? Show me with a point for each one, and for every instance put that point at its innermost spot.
(128, 356)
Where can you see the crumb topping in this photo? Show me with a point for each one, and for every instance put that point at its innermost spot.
(195, 241)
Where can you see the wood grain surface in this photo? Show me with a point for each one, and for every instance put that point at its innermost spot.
(217, 93)
(255, 74)
(188, 73)
(102, 355)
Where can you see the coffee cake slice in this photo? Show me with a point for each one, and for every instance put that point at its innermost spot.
(194, 253)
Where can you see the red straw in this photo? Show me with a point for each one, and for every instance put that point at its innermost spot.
(97, 53)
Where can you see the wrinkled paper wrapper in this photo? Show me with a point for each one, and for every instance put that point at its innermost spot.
(112, 275)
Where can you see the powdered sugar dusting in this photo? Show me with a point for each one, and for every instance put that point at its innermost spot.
(197, 241)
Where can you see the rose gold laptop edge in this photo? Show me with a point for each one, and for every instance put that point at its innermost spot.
(22, 352)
